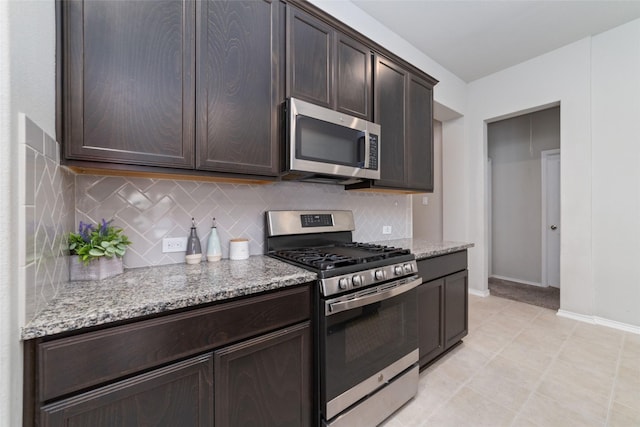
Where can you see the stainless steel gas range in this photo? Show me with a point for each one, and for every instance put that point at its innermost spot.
(365, 317)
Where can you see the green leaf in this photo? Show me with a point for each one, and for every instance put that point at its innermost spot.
(96, 252)
(105, 244)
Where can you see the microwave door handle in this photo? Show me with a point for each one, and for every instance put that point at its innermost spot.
(337, 307)
(363, 150)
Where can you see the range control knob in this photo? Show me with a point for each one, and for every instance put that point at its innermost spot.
(408, 268)
(398, 271)
(343, 283)
(379, 274)
(356, 280)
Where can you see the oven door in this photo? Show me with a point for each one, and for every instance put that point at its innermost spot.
(366, 339)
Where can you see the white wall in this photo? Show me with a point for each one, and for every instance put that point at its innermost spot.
(9, 348)
(562, 75)
(588, 161)
(615, 124)
(27, 83)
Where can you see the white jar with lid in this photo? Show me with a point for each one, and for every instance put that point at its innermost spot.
(238, 249)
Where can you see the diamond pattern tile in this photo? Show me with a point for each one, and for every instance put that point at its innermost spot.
(48, 206)
(55, 201)
(150, 210)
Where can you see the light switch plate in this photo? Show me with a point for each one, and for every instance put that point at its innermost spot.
(386, 229)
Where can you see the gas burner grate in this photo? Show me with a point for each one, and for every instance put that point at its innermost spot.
(346, 254)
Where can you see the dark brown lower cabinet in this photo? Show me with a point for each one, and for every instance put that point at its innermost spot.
(431, 320)
(265, 381)
(456, 300)
(443, 304)
(177, 395)
(243, 362)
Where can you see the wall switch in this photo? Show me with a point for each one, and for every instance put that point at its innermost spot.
(386, 229)
(425, 200)
(174, 244)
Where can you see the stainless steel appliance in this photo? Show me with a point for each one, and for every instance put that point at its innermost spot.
(323, 145)
(365, 315)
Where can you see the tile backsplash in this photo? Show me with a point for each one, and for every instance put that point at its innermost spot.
(46, 216)
(53, 200)
(151, 209)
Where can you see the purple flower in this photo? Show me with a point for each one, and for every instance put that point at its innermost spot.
(103, 227)
(85, 231)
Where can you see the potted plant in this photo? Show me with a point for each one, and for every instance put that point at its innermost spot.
(96, 251)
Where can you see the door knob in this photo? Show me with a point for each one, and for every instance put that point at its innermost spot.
(553, 227)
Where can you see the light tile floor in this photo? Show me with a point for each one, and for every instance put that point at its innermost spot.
(524, 366)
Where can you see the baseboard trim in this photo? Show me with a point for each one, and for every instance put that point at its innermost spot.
(595, 320)
(478, 293)
(524, 282)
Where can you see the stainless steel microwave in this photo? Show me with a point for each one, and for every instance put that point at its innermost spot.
(323, 145)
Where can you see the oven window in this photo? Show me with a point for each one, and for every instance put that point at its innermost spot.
(326, 142)
(358, 343)
(371, 331)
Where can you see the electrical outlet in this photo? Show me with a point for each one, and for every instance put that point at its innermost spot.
(174, 244)
(425, 200)
(386, 229)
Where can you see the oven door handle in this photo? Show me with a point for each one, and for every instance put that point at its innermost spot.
(337, 307)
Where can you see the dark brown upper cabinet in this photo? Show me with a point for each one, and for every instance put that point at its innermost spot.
(129, 85)
(420, 135)
(327, 67)
(194, 88)
(403, 108)
(128, 81)
(390, 106)
(238, 67)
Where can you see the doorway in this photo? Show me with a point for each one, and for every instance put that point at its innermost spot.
(524, 242)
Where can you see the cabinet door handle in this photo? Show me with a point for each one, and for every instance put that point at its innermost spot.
(553, 227)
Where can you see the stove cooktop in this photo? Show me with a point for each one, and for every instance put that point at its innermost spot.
(342, 255)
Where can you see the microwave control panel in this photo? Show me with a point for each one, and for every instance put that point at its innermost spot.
(373, 152)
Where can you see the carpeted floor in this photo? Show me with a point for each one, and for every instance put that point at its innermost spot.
(534, 295)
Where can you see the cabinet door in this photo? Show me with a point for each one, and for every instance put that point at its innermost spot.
(265, 381)
(309, 58)
(456, 300)
(177, 395)
(238, 67)
(420, 135)
(430, 320)
(128, 88)
(353, 77)
(390, 103)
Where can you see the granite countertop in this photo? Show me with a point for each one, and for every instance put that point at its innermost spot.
(149, 290)
(427, 249)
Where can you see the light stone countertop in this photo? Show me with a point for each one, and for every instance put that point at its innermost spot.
(149, 290)
(156, 289)
(426, 249)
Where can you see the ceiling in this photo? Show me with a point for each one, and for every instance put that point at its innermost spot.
(473, 39)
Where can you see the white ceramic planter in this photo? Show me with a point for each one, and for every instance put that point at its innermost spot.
(98, 269)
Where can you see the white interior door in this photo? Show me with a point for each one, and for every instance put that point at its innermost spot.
(551, 229)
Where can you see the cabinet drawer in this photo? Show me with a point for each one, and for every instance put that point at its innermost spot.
(75, 363)
(443, 265)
